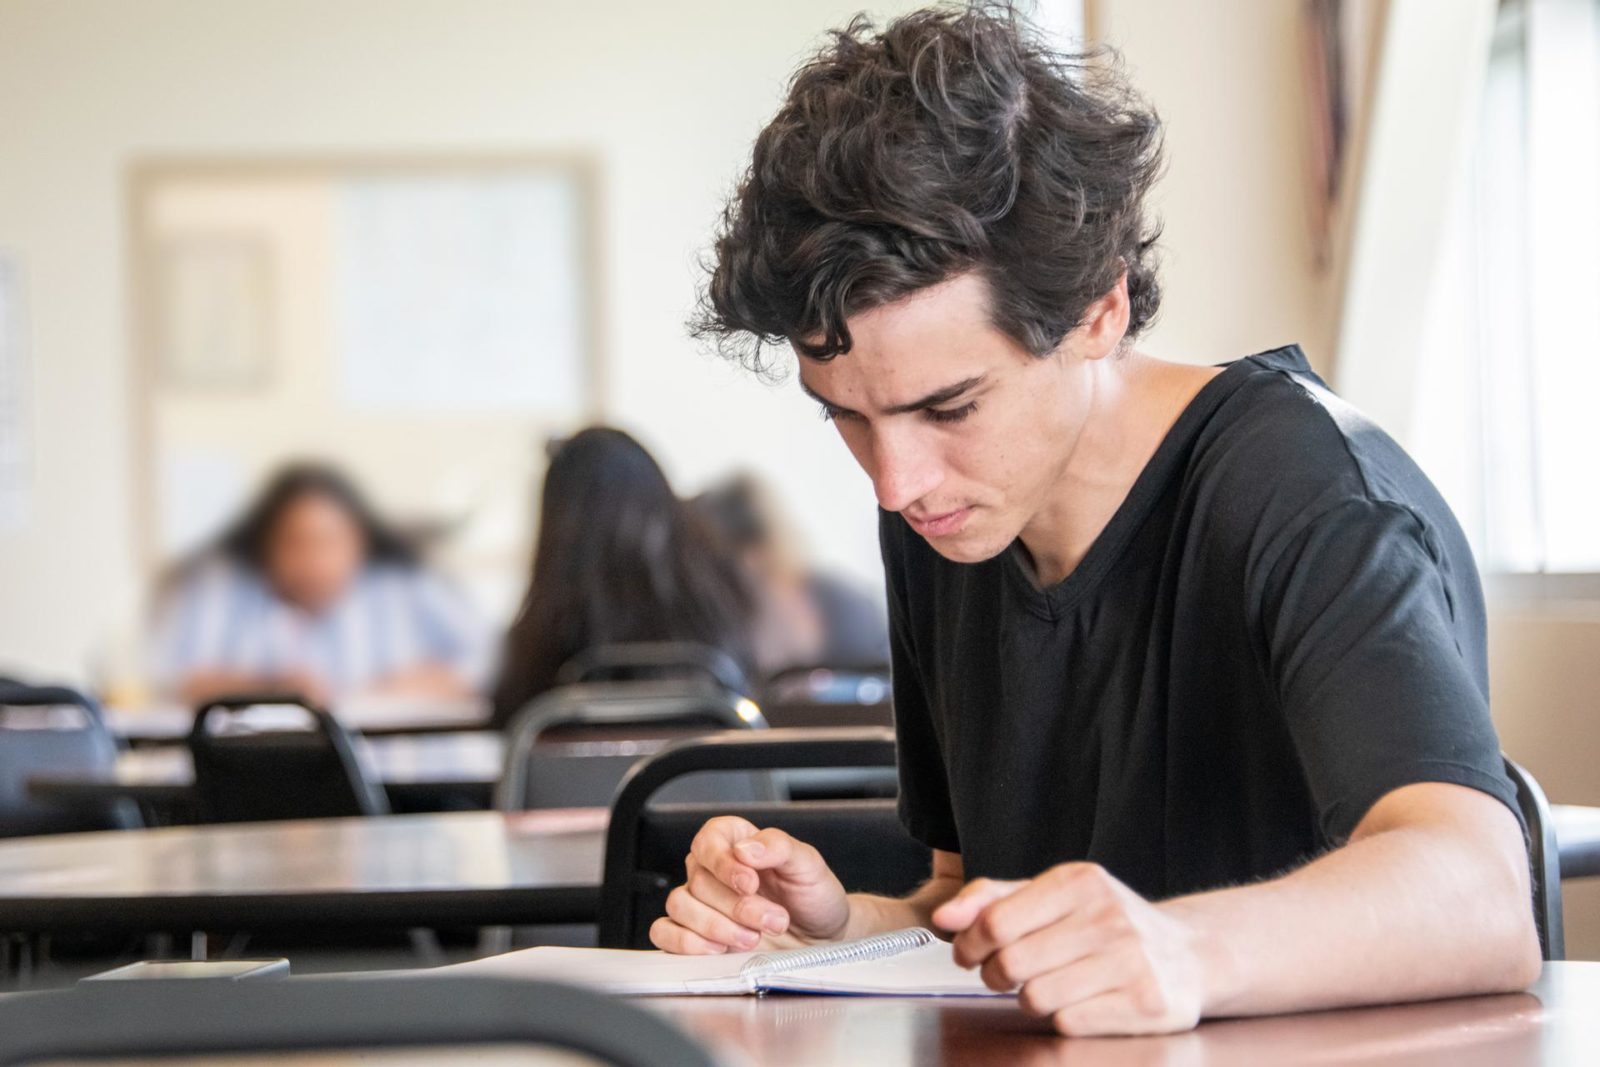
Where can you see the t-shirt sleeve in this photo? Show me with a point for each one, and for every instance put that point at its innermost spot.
(924, 785)
(1362, 644)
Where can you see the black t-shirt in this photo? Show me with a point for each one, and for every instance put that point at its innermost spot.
(1280, 624)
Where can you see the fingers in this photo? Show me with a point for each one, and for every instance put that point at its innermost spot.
(1057, 945)
(670, 937)
(1075, 983)
(754, 913)
(1119, 1012)
(719, 906)
(1026, 907)
(790, 860)
(708, 922)
(958, 913)
(712, 849)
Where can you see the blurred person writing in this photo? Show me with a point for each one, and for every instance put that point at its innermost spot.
(311, 592)
(619, 559)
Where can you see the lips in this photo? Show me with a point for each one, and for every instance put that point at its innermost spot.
(940, 525)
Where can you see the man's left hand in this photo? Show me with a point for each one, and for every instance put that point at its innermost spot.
(1084, 949)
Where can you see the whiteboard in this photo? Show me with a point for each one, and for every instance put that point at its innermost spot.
(460, 294)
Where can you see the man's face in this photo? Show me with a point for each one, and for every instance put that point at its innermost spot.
(962, 431)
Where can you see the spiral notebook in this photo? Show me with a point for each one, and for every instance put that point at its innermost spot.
(905, 963)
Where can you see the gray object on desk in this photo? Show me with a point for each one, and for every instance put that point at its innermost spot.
(450, 869)
(115, 1019)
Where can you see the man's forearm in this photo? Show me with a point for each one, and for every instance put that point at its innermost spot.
(1409, 913)
(871, 914)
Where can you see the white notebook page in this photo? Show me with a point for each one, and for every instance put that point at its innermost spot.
(928, 970)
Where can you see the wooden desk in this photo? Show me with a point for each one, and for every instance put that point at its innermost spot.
(1557, 1022)
(452, 869)
(166, 723)
(1553, 1025)
(410, 766)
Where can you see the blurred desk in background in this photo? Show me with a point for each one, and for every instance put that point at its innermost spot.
(167, 723)
(396, 871)
(415, 770)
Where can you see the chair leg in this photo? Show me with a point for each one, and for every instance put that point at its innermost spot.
(425, 943)
(493, 940)
(158, 946)
(197, 945)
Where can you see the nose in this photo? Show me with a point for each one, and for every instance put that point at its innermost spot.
(903, 469)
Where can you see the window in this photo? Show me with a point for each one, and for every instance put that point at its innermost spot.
(1506, 419)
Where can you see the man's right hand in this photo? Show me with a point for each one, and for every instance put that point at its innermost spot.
(744, 884)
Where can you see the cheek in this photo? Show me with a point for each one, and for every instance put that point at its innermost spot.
(1022, 456)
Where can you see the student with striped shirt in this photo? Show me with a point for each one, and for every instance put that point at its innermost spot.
(311, 592)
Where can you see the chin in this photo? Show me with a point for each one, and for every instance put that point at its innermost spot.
(969, 546)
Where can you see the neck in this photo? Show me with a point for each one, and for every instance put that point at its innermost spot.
(1134, 400)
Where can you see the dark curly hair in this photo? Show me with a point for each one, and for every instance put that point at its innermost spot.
(955, 140)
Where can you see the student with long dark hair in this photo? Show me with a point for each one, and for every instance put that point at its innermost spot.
(619, 558)
(309, 591)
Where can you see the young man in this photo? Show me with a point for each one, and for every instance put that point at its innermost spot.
(1189, 662)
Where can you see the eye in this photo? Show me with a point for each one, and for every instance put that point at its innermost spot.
(951, 414)
(833, 414)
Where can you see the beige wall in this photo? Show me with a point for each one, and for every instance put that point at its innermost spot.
(1237, 251)
(666, 96)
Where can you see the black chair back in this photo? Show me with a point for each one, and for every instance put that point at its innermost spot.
(641, 660)
(246, 775)
(1544, 861)
(206, 1017)
(862, 840)
(53, 729)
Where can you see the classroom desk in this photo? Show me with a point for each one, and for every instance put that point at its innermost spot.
(473, 868)
(1554, 1024)
(415, 769)
(165, 723)
(410, 766)
(1557, 1022)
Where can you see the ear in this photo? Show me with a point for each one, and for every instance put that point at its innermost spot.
(1105, 322)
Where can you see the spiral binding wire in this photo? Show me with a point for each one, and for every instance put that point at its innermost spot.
(858, 951)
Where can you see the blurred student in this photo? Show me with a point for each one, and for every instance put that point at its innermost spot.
(311, 592)
(619, 558)
(807, 617)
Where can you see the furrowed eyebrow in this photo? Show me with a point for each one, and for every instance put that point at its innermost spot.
(932, 400)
